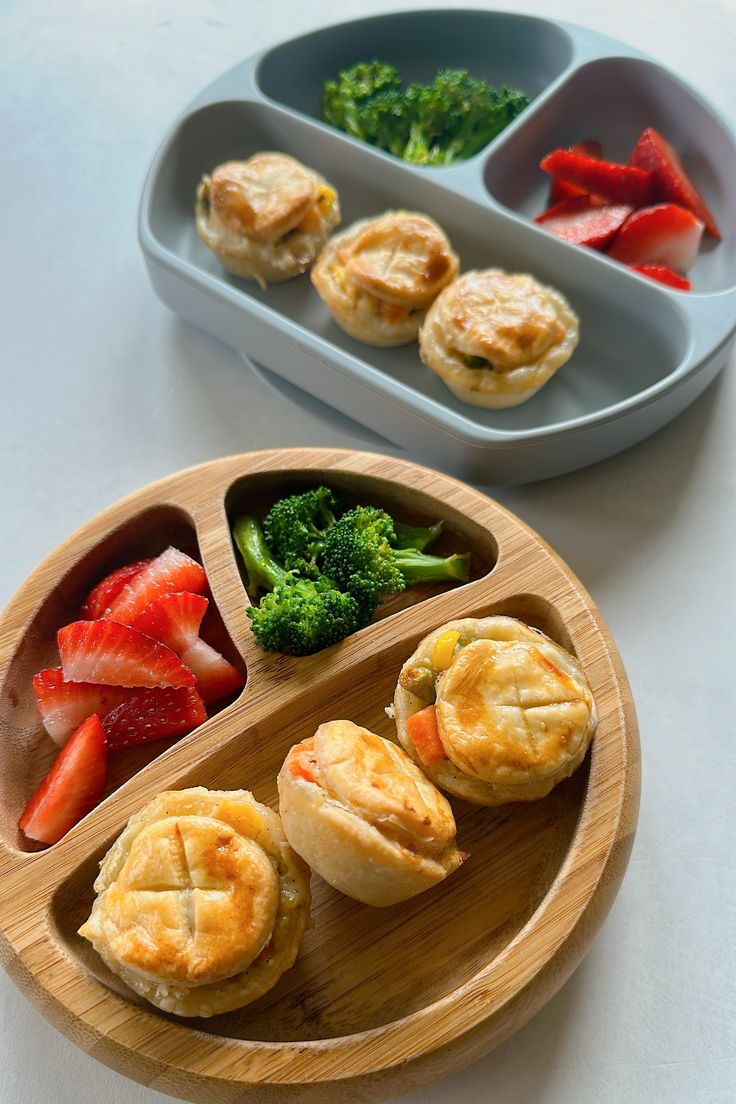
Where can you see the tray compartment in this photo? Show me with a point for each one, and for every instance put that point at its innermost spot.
(26, 749)
(352, 973)
(613, 100)
(256, 493)
(632, 335)
(502, 48)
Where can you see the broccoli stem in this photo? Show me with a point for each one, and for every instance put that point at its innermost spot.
(263, 571)
(416, 536)
(416, 567)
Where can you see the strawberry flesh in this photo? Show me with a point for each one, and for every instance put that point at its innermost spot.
(170, 572)
(104, 594)
(175, 620)
(664, 234)
(664, 275)
(116, 655)
(672, 183)
(73, 786)
(560, 189)
(584, 221)
(64, 705)
(150, 715)
(613, 182)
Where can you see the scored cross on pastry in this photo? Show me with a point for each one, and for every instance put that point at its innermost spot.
(201, 903)
(265, 218)
(512, 712)
(379, 276)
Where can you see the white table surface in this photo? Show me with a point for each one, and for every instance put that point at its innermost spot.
(103, 391)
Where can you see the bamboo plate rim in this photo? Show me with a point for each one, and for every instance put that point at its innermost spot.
(66, 993)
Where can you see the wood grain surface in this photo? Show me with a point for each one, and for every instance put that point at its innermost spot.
(379, 1001)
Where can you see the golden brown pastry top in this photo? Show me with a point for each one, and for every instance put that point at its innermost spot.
(262, 198)
(377, 781)
(401, 257)
(506, 707)
(195, 902)
(508, 320)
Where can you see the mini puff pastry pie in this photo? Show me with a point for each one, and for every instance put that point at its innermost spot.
(503, 712)
(379, 276)
(364, 817)
(266, 218)
(495, 338)
(201, 903)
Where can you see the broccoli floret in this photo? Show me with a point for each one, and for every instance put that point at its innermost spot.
(456, 115)
(360, 555)
(384, 121)
(344, 99)
(297, 616)
(295, 528)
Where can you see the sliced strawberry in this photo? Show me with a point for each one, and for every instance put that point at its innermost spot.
(170, 572)
(663, 235)
(560, 189)
(584, 221)
(150, 715)
(104, 594)
(64, 705)
(116, 655)
(664, 274)
(616, 183)
(672, 182)
(175, 620)
(73, 786)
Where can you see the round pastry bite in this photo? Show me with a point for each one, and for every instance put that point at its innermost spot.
(493, 710)
(201, 903)
(266, 218)
(364, 817)
(379, 276)
(496, 338)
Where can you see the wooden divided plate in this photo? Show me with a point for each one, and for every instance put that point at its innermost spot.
(379, 1000)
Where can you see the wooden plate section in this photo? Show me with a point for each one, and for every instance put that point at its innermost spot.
(380, 1000)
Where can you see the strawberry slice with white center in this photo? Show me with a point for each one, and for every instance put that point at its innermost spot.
(149, 715)
(170, 572)
(672, 183)
(104, 594)
(73, 786)
(175, 620)
(560, 189)
(64, 705)
(663, 275)
(116, 655)
(613, 182)
(585, 221)
(663, 235)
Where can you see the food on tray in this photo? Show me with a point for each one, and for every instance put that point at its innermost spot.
(266, 218)
(201, 903)
(364, 817)
(496, 338)
(379, 276)
(665, 234)
(323, 569)
(647, 214)
(493, 710)
(428, 124)
(138, 666)
(73, 786)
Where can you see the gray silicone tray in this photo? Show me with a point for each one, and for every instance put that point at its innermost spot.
(646, 352)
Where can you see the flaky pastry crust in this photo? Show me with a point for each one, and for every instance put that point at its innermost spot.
(364, 817)
(201, 903)
(496, 338)
(515, 713)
